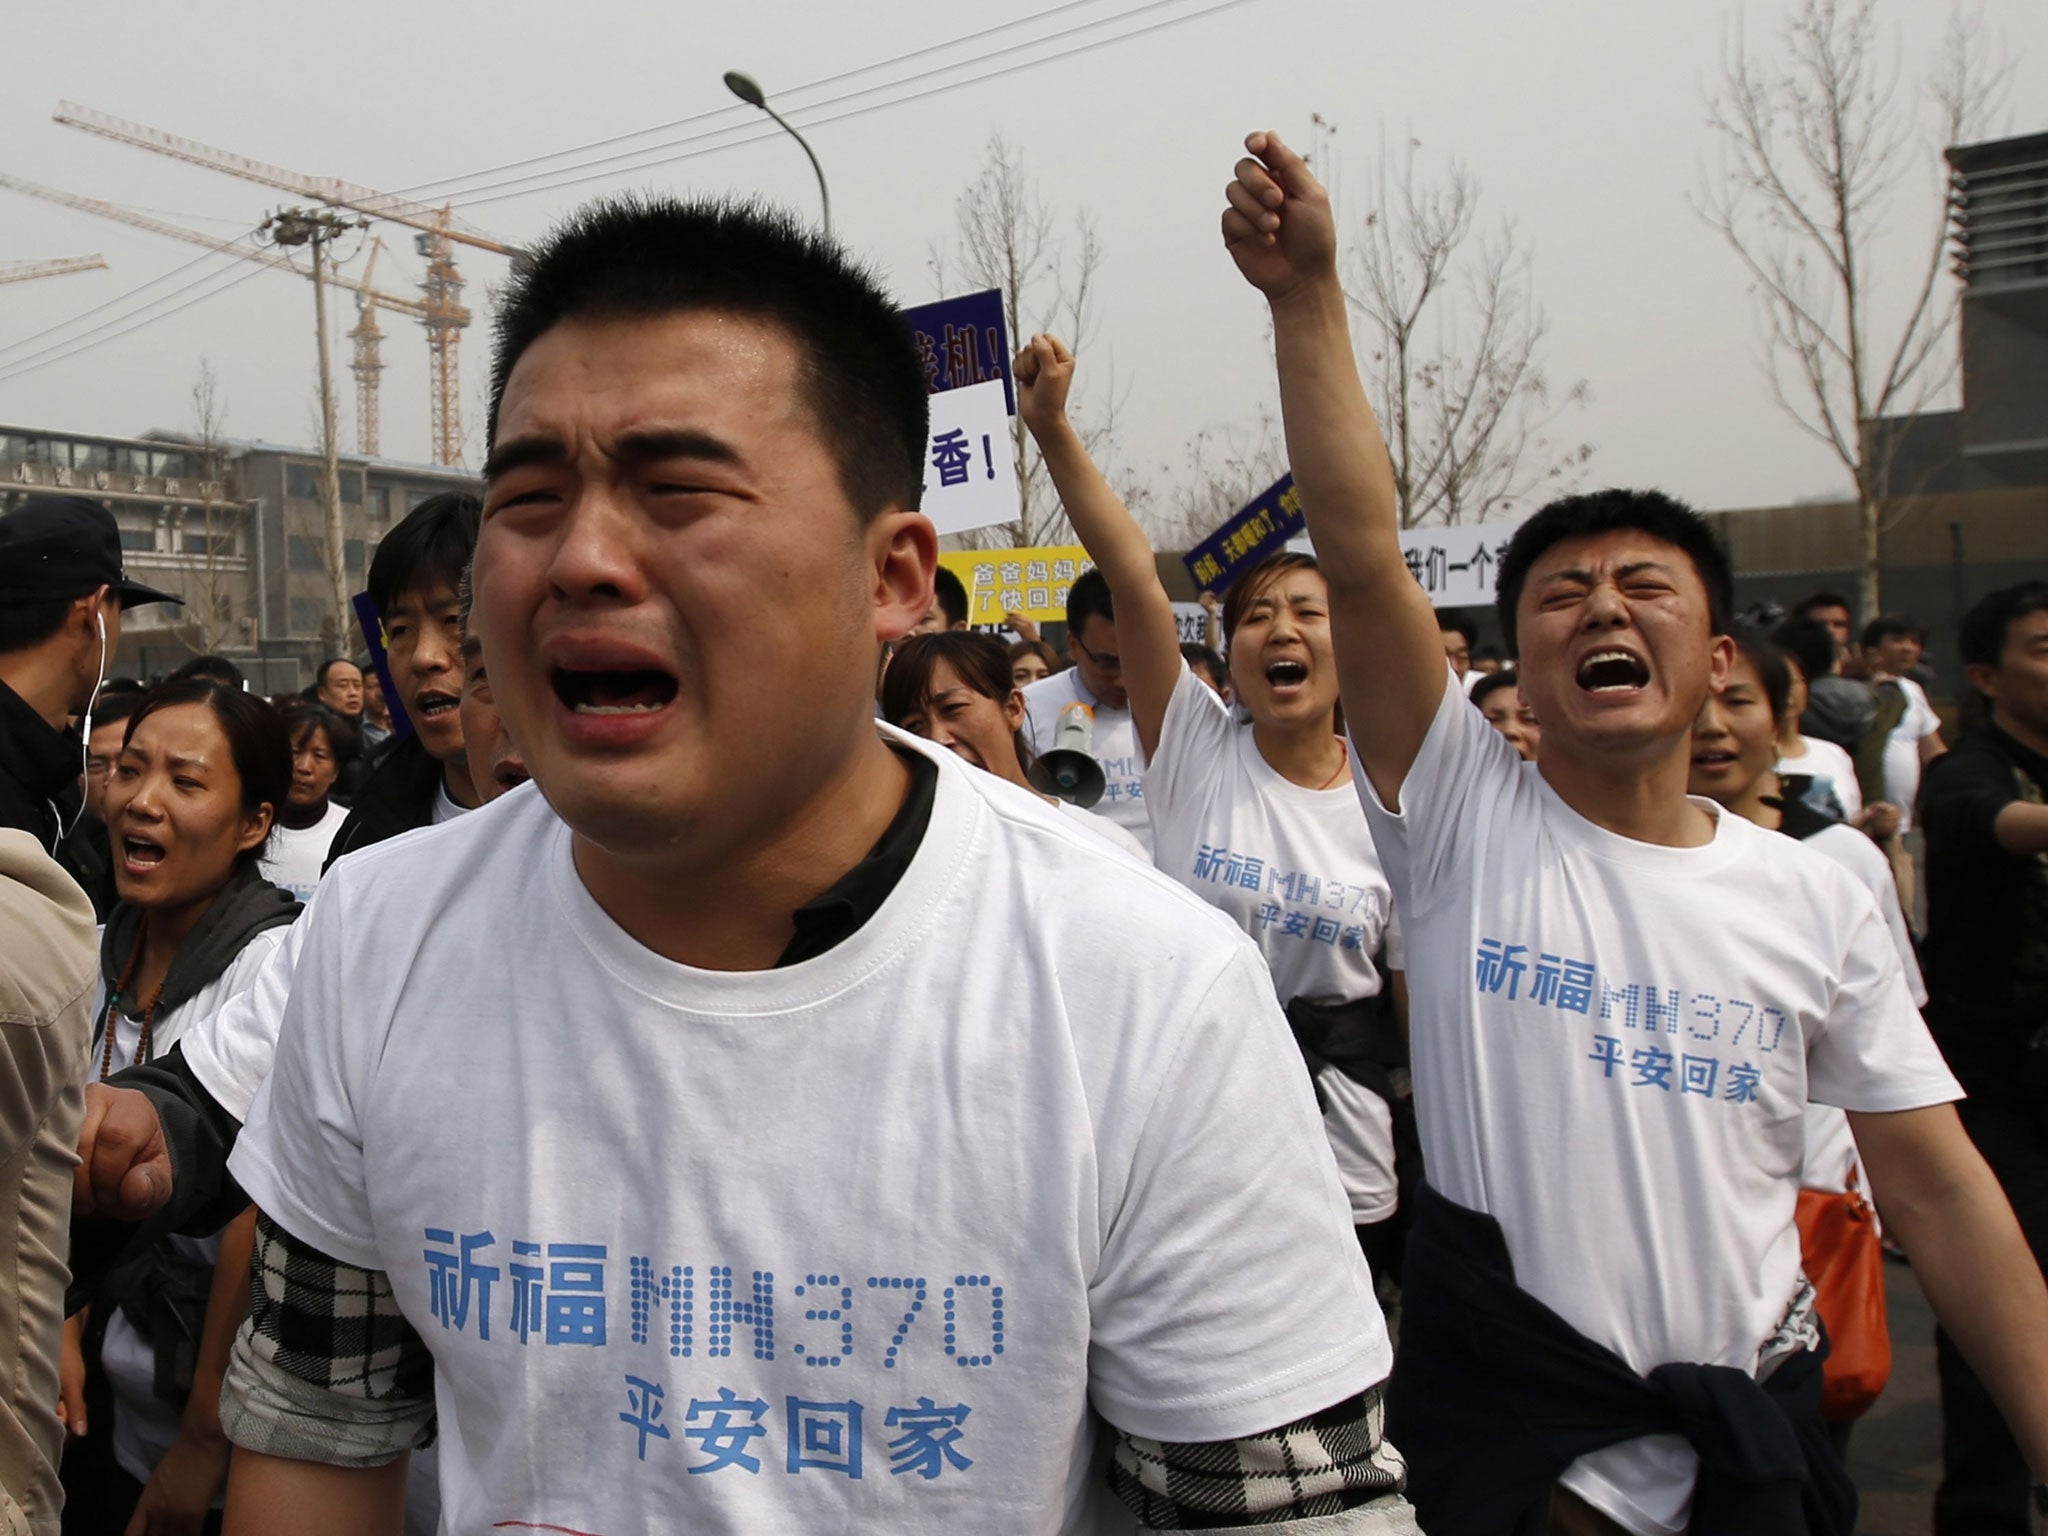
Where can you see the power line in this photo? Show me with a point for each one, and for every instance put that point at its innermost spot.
(804, 115)
(64, 351)
(119, 298)
(446, 186)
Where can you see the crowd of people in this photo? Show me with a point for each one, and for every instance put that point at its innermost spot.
(1337, 1078)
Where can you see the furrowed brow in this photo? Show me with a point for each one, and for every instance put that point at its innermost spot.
(654, 446)
(522, 452)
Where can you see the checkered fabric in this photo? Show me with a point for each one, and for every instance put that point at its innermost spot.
(331, 1325)
(1327, 1463)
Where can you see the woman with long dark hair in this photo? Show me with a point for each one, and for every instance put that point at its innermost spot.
(954, 688)
(190, 804)
(1252, 807)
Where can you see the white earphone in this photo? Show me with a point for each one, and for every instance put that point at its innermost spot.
(99, 617)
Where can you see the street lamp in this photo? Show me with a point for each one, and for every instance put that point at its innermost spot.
(749, 90)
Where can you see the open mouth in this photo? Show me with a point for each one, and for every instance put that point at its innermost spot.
(1286, 674)
(140, 854)
(1613, 671)
(1714, 761)
(435, 705)
(637, 691)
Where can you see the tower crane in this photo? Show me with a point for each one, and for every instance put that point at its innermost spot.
(28, 271)
(439, 233)
(367, 363)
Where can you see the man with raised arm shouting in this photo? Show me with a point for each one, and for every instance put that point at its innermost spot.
(711, 1145)
(1622, 1001)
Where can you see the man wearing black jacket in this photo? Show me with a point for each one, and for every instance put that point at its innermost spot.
(62, 593)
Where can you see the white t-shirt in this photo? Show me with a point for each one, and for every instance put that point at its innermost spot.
(1296, 869)
(1902, 751)
(1115, 747)
(697, 1249)
(295, 856)
(1108, 831)
(1827, 764)
(1830, 1145)
(145, 1426)
(1614, 1046)
(445, 807)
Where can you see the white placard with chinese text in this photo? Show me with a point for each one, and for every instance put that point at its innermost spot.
(970, 475)
(1459, 567)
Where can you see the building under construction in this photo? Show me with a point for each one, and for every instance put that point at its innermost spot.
(236, 528)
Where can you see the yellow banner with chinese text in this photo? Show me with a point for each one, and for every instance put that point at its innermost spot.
(1032, 582)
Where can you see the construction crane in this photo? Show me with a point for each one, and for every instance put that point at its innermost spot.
(28, 271)
(439, 233)
(367, 363)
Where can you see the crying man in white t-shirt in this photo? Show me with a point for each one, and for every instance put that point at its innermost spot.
(774, 1125)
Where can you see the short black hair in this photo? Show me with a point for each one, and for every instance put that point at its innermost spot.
(1451, 622)
(1890, 626)
(1202, 658)
(952, 596)
(1810, 644)
(303, 716)
(430, 547)
(113, 708)
(1576, 517)
(1491, 683)
(1087, 599)
(23, 625)
(217, 668)
(257, 743)
(633, 258)
(327, 666)
(1987, 626)
(1771, 663)
(1803, 609)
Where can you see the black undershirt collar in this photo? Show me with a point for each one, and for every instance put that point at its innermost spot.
(838, 914)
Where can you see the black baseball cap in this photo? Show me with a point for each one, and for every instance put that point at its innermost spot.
(61, 547)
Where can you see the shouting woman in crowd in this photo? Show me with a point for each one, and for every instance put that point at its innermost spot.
(324, 745)
(190, 805)
(954, 688)
(1257, 818)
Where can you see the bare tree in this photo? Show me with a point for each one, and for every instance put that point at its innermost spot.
(209, 615)
(1452, 338)
(1008, 238)
(1222, 469)
(1816, 137)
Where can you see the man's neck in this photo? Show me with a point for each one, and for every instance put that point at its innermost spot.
(460, 786)
(1310, 755)
(1638, 795)
(730, 907)
(2032, 739)
(43, 682)
(1790, 742)
(1751, 804)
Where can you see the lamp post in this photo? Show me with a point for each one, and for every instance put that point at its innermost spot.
(749, 90)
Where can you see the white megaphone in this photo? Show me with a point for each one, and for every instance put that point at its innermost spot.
(1069, 770)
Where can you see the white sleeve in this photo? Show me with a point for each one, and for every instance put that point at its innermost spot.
(300, 1156)
(1928, 721)
(1862, 858)
(1231, 1296)
(1421, 846)
(1193, 737)
(230, 1050)
(1847, 789)
(1873, 1053)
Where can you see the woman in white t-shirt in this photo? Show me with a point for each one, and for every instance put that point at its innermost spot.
(323, 745)
(954, 688)
(1253, 809)
(190, 804)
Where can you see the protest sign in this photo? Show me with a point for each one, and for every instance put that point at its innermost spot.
(970, 470)
(1459, 566)
(1033, 582)
(1192, 620)
(372, 624)
(1260, 529)
(963, 342)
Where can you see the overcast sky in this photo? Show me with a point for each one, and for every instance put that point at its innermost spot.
(1582, 119)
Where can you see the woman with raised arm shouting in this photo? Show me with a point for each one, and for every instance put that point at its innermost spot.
(1256, 815)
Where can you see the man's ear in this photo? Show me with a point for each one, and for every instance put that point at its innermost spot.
(903, 556)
